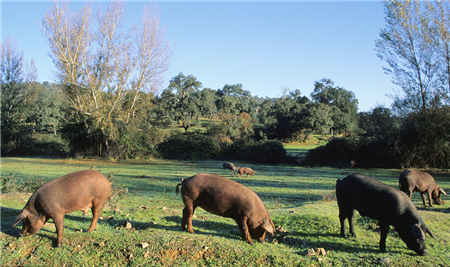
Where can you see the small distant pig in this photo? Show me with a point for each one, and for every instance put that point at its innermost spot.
(384, 203)
(75, 191)
(230, 166)
(227, 198)
(245, 170)
(411, 181)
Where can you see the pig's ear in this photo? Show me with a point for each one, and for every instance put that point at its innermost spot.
(20, 217)
(429, 232)
(268, 226)
(417, 231)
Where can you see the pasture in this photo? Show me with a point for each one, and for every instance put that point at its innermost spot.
(143, 226)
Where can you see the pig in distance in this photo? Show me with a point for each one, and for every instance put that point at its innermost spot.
(411, 181)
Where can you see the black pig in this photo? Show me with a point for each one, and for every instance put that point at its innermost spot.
(384, 203)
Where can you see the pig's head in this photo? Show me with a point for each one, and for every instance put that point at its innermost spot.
(31, 222)
(259, 232)
(436, 195)
(414, 237)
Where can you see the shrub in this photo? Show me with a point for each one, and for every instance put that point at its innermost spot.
(264, 151)
(190, 147)
(337, 151)
(10, 183)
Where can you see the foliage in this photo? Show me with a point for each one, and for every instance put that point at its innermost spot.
(19, 92)
(342, 106)
(10, 183)
(233, 99)
(190, 146)
(425, 139)
(419, 140)
(285, 116)
(180, 102)
(269, 152)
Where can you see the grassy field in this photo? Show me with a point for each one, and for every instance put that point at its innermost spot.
(143, 227)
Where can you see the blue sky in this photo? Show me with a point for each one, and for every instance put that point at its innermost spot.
(265, 46)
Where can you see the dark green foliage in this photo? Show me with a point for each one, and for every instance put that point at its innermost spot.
(421, 140)
(338, 151)
(77, 137)
(190, 147)
(425, 139)
(271, 152)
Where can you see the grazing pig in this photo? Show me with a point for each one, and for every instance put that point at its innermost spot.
(230, 166)
(246, 170)
(411, 181)
(383, 203)
(227, 198)
(75, 191)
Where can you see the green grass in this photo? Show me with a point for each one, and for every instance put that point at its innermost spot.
(299, 149)
(301, 202)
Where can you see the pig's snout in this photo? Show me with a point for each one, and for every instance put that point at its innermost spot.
(423, 252)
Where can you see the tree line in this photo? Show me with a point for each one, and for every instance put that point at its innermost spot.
(106, 99)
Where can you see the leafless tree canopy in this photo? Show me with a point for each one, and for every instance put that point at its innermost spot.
(102, 67)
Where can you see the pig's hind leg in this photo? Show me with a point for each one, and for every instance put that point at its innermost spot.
(347, 214)
(188, 211)
(96, 212)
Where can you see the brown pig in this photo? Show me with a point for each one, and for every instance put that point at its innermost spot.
(411, 181)
(227, 198)
(75, 191)
(245, 170)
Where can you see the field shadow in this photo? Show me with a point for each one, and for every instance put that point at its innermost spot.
(8, 218)
(204, 227)
(441, 210)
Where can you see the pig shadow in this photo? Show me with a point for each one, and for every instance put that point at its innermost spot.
(441, 210)
(303, 240)
(8, 217)
(205, 227)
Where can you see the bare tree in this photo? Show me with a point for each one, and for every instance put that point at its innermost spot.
(408, 48)
(439, 13)
(103, 70)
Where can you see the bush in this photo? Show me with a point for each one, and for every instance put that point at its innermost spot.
(338, 151)
(264, 151)
(10, 183)
(190, 147)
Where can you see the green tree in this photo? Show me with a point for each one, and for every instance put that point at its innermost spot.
(182, 103)
(379, 123)
(207, 103)
(235, 108)
(233, 99)
(287, 117)
(343, 103)
(46, 112)
(18, 95)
